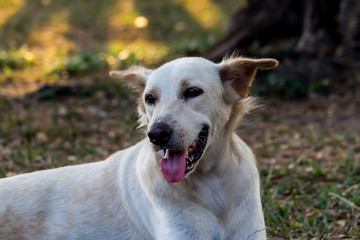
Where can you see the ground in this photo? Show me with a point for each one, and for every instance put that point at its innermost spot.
(308, 149)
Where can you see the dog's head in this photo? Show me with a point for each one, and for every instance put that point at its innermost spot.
(187, 106)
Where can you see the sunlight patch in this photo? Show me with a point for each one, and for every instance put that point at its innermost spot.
(8, 9)
(206, 12)
(141, 22)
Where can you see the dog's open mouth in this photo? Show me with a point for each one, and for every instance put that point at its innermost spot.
(176, 163)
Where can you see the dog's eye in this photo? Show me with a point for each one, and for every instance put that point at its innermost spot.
(192, 92)
(150, 99)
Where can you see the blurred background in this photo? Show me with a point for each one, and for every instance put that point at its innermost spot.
(59, 107)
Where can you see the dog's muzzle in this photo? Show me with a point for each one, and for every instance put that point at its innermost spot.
(177, 162)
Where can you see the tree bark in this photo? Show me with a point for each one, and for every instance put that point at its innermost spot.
(320, 34)
(261, 21)
(349, 25)
(325, 33)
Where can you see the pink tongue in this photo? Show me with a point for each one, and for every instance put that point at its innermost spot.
(173, 165)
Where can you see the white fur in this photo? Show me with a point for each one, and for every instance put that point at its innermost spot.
(127, 197)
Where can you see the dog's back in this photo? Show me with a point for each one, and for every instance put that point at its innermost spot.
(75, 202)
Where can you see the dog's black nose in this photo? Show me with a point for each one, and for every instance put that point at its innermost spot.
(160, 134)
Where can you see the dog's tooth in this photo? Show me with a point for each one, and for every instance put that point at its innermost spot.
(190, 166)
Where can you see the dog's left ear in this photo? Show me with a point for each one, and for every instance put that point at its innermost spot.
(237, 75)
(135, 77)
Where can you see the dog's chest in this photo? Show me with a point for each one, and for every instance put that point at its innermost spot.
(215, 196)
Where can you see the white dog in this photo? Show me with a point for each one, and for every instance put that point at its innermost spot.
(191, 178)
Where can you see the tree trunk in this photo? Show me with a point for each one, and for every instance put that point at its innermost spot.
(349, 26)
(312, 38)
(262, 22)
(320, 34)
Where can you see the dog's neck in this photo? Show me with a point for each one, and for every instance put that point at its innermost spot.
(222, 150)
(217, 168)
(218, 155)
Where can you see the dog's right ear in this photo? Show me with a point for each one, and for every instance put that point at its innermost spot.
(135, 77)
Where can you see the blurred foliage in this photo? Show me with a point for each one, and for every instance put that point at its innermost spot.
(17, 59)
(291, 87)
(52, 40)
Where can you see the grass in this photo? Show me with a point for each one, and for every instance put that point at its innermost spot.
(315, 194)
(308, 150)
(309, 166)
